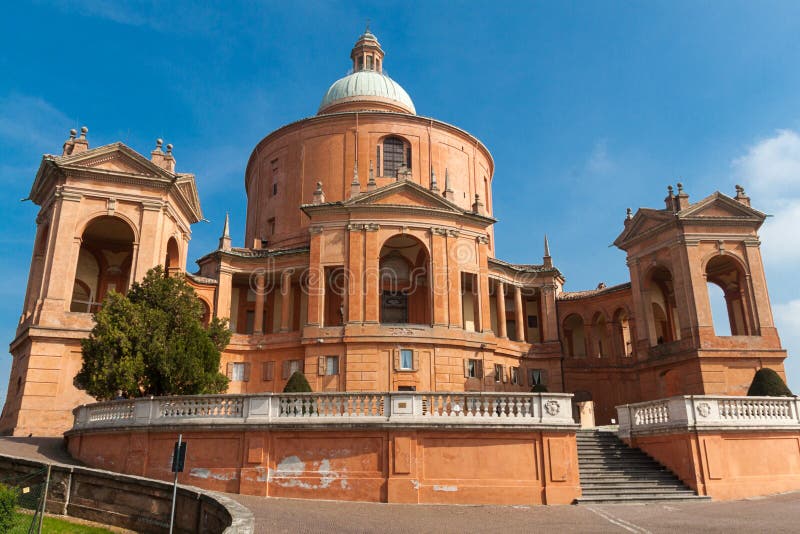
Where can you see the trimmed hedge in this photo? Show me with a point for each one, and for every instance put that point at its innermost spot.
(768, 383)
(297, 384)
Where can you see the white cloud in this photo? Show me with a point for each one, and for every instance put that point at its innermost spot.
(787, 319)
(770, 172)
(599, 161)
(29, 120)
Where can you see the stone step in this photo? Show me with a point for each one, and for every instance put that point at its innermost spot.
(634, 499)
(637, 485)
(638, 491)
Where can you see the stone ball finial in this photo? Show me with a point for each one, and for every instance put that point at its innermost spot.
(159, 142)
(629, 213)
(739, 188)
(319, 186)
(84, 131)
(669, 189)
(169, 148)
(680, 187)
(72, 133)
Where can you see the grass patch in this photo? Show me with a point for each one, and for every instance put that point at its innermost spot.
(53, 525)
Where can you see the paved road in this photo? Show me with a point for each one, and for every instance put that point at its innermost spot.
(775, 514)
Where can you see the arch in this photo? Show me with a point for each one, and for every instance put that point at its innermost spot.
(622, 332)
(601, 343)
(393, 156)
(664, 326)
(172, 262)
(574, 337)
(92, 218)
(726, 273)
(104, 262)
(405, 290)
(206, 311)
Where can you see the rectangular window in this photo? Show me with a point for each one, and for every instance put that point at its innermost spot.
(515, 376)
(369, 62)
(331, 365)
(274, 176)
(239, 372)
(473, 368)
(537, 377)
(274, 188)
(271, 226)
(499, 375)
(290, 367)
(406, 359)
(267, 371)
(533, 321)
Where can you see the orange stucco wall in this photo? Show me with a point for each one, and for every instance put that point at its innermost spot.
(729, 465)
(392, 465)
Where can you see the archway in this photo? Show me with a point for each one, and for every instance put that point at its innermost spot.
(622, 332)
(600, 339)
(664, 326)
(725, 275)
(104, 263)
(172, 263)
(405, 291)
(574, 336)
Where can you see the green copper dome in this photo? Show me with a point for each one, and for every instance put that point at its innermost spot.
(366, 85)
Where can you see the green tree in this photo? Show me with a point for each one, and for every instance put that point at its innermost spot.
(8, 504)
(297, 384)
(768, 383)
(152, 342)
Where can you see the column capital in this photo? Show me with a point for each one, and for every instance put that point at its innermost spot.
(314, 230)
(372, 227)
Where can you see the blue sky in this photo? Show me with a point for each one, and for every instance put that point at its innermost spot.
(587, 107)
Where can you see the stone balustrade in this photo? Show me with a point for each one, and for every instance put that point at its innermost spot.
(712, 412)
(423, 408)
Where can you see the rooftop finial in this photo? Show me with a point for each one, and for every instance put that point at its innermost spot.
(449, 194)
(546, 247)
(434, 184)
(73, 132)
(225, 238)
(366, 29)
(169, 148)
(159, 142)
(629, 214)
(84, 131)
(680, 188)
(669, 190)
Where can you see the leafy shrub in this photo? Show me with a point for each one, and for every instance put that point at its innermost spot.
(297, 384)
(8, 503)
(768, 383)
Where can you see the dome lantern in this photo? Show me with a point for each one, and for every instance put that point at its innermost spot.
(367, 87)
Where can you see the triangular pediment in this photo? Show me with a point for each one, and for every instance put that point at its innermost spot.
(718, 206)
(645, 220)
(404, 193)
(114, 158)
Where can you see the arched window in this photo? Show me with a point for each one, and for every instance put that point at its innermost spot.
(396, 156)
(172, 261)
(727, 297)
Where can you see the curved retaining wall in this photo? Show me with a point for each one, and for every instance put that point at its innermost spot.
(449, 448)
(132, 502)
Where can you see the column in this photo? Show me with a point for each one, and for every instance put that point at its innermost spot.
(316, 278)
(549, 322)
(286, 300)
(59, 272)
(483, 284)
(453, 281)
(439, 274)
(355, 275)
(222, 306)
(258, 321)
(149, 254)
(520, 313)
(500, 297)
(372, 296)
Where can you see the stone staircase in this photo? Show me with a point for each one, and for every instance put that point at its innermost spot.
(612, 472)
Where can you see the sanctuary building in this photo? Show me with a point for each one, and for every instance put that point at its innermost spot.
(369, 264)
